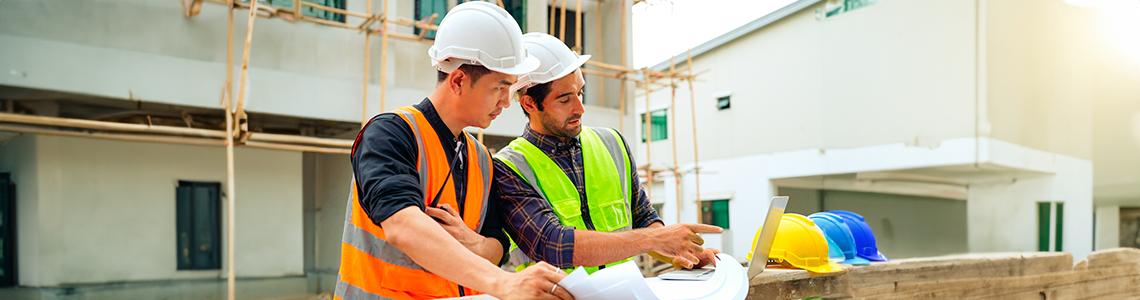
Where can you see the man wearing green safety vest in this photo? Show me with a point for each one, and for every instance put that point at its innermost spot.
(569, 194)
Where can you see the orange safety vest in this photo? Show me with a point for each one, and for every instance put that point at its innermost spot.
(370, 267)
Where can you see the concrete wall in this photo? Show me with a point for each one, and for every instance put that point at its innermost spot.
(102, 211)
(1040, 64)
(327, 189)
(861, 78)
(904, 226)
(146, 50)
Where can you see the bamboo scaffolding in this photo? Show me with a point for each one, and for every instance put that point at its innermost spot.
(622, 86)
(228, 90)
(383, 59)
(601, 80)
(676, 169)
(693, 111)
(648, 144)
(562, 23)
(578, 27)
(367, 62)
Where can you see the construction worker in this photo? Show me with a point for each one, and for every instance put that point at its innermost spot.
(416, 163)
(570, 194)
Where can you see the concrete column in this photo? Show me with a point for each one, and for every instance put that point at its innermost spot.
(1107, 227)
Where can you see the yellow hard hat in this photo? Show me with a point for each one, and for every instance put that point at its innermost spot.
(801, 244)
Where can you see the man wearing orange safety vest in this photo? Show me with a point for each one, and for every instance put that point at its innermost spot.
(416, 163)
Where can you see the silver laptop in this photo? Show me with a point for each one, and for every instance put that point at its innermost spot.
(759, 250)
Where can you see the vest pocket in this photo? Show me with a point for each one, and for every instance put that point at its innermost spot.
(569, 212)
(609, 215)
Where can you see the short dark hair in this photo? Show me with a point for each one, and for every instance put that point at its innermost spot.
(538, 93)
(474, 71)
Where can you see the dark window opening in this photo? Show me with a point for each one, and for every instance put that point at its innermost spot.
(724, 103)
(571, 35)
(199, 225)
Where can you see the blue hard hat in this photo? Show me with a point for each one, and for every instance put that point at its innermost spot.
(838, 234)
(864, 239)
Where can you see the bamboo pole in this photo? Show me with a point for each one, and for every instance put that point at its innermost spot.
(648, 142)
(562, 23)
(693, 104)
(578, 27)
(113, 136)
(550, 28)
(240, 108)
(676, 169)
(303, 140)
(339, 11)
(383, 58)
(622, 83)
(481, 137)
(228, 88)
(367, 58)
(301, 148)
(104, 125)
(601, 80)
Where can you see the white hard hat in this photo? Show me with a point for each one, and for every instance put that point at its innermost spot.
(555, 60)
(480, 33)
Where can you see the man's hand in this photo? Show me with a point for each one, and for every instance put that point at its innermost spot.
(682, 242)
(707, 257)
(534, 282)
(453, 224)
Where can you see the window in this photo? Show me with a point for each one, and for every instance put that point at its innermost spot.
(517, 9)
(424, 10)
(199, 225)
(571, 21)
(723, 103)
(7, 231)
(835, 7)
(1049, 225)
(715, 212)
(660, 130)
(309, 11)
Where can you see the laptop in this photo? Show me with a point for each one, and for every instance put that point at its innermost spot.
(759, 250)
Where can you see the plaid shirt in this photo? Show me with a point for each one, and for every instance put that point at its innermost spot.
(530, 220)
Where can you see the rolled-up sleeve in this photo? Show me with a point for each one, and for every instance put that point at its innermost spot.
(530, 220)
(384, 166)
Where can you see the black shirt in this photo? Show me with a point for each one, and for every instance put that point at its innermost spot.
(384, 163)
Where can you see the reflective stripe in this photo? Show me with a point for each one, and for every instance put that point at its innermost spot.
(376, 247)
(617, 152)
(423, 165)
(518, 160)
(348, 291)
(485, 170)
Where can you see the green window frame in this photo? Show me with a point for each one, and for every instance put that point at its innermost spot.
(311, 12)
(836, 7)
(660, 122)
(715, 212)
(425, 8)
(1050, 223)
(198, 208)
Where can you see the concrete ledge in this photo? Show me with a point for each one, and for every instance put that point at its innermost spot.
(1113, 273)
(246, 288)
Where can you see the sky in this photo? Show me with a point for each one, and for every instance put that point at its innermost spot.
(664, 28)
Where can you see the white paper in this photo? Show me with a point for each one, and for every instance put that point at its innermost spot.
(624, 281)
(728, 282)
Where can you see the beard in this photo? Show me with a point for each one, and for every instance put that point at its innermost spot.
(561, 128)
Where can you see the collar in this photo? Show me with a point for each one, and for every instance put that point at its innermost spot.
(432, 116)
(547, 143)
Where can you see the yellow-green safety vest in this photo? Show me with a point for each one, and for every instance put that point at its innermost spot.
(608, 174)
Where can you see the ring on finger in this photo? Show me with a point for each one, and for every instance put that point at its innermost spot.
(553, 288)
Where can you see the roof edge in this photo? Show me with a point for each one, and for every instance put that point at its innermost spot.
(747, 28)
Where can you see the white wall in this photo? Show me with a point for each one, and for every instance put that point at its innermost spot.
(1107, 227)
(748, 182)
(891, 72)
(103, 211)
